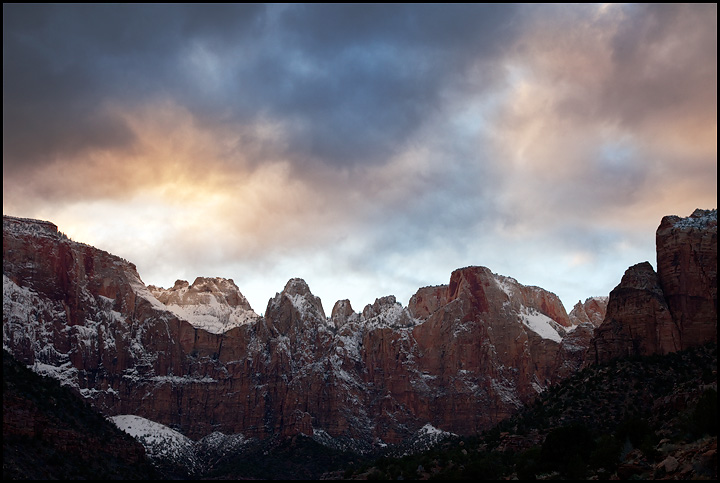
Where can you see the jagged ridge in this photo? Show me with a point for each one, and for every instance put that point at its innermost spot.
(486, 346)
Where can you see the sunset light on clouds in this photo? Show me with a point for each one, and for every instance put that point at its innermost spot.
(368, 149)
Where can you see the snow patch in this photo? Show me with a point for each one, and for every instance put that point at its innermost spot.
(160, 442)
(539, 323)
(700, 219)
(506, 284)
(213, 317)
(180, 380)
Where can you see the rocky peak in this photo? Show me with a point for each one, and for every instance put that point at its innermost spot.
(387, 312)
(298, 291)
(427, 300)
(592, 311)
(673, 309)
(699, 220)
(179, 285)
(295, 306)
(637, 321)
(474, 351)
(296, 286)
(342, 313)
(470, 282)
(27, 226)
(641, 276)
(212, 304)
(223, 290)
(380, 305)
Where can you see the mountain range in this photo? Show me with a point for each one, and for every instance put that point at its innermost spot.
(460, 358)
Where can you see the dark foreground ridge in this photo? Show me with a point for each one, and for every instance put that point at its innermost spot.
(647, 417)
(50, 433)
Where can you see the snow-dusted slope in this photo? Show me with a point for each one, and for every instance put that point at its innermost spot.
(212, 304)
(160, 442)
(168, 447)
(541, 324)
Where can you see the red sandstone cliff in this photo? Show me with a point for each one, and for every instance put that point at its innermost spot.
(667, 311)
(592, 311)
(687, 269)
(461, 356)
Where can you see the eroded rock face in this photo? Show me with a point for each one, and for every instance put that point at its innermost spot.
(342, 312)
(687, 268)
(592, 311)
(461, 357)
(638, 320)
(673, 309)
(485, 345)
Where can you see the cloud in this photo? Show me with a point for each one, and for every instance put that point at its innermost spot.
(349, 84)
(360, 146)
(605, 109)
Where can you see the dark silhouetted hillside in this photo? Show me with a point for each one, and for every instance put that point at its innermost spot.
(50, 433)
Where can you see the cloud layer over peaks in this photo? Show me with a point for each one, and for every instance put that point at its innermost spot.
(370, 149)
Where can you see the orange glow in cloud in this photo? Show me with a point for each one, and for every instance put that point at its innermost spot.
(573, 135)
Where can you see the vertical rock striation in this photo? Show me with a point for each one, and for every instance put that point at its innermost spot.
(687, 269)
(667, 311)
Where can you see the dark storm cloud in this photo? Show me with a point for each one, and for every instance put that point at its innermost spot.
(65, 66)
(379, 72)
(348, 83)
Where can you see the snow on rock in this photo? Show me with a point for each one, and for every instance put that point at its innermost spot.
(541, 324)
(506, 284)
(426, 438)
(306, 306)
(699, 219)
(159, 440)
(212, 304)
(30, 227)
(166, 446)
(387, 312)
(163, 445)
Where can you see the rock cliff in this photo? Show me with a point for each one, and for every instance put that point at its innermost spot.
(687, 269)
(673, 309)
(196, 358)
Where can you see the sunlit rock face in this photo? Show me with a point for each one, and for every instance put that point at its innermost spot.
(195, 357)
(667, 311)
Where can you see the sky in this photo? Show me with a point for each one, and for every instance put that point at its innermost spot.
(368, 149)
